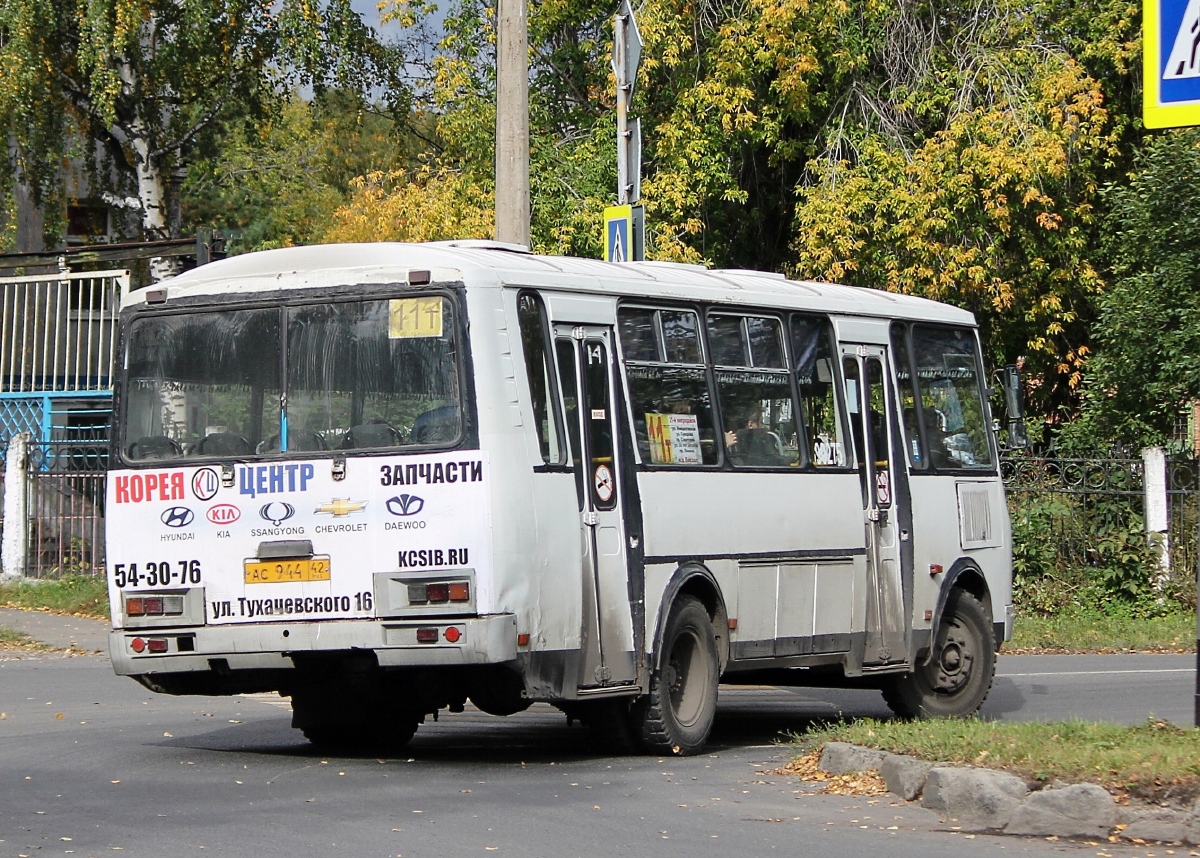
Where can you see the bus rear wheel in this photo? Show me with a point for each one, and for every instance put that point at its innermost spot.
(677, 715)
(960, 671)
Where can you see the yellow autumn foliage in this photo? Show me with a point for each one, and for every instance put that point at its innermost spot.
(426, 204)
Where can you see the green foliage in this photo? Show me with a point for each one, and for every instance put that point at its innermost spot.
(1084, 550)
(1148, 329)
(279, 181)
(143, 82)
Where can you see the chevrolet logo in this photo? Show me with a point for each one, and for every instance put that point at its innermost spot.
(339, 507)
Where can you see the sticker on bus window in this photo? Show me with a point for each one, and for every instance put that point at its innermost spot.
(412, 318)
(674, 439)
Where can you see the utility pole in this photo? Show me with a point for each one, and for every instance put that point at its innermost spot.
(624, 223)
(512, 122)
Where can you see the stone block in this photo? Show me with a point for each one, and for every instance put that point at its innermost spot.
(1081, 810)
(977, 798)
(904, 776)
(842, 758)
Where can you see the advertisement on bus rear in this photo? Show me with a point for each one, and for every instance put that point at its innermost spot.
(285, 541)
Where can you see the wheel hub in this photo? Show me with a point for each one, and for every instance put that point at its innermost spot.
(954, 661)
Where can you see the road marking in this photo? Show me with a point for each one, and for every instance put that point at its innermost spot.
(1104, 672)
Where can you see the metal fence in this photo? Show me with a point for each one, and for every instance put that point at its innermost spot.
(1072, 514)
(58, 331)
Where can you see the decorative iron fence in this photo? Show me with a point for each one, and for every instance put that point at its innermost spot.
(1075, 516)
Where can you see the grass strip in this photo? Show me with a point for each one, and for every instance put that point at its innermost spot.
(1144, 759)
(10, 639)
(85, 595)
(1095, 632)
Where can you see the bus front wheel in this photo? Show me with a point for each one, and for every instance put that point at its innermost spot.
(677, 715)
(958, 676)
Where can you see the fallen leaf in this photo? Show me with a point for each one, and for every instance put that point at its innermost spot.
(58, 716)
(114, 782)
(168, 735)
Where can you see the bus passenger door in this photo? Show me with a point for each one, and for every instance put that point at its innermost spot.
(585, 367)
(871, 414)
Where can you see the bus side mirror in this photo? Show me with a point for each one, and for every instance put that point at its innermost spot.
(1014, 403)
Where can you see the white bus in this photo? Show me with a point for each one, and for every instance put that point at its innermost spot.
(386, 479)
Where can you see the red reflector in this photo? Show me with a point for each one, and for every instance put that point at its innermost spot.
(154, 605)
(523, 639)
(157, 644)
(137, 645)
(439, 592)
(460, 591)
(453, 634)
(427, 635)
(935, 569)
(134, 607)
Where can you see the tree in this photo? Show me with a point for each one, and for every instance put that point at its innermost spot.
(1148, 330)
(147, 79)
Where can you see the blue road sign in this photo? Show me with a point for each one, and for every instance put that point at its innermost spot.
(1171, 63)
(618, 228)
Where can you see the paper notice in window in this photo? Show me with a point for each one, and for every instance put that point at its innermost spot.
(685, 438)
(674, 439)
(410, 318)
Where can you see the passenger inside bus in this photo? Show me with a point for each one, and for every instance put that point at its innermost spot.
(751, 444)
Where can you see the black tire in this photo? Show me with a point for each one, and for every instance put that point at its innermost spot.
(960, 671)
(677, 715)
(371, 737)
(611, 726)
(353, 725)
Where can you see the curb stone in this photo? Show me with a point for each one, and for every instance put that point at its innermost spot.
(996, 801)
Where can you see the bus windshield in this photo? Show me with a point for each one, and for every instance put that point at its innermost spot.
(345, 375)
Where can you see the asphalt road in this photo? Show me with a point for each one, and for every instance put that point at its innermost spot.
(92, 764)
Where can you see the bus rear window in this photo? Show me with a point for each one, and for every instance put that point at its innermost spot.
(359, 375)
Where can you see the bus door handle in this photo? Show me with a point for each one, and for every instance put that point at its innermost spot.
(878, 515)
(591, 518)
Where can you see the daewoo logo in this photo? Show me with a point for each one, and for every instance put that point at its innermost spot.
(223, 513)
(277, 512)
(177, 516)
(405, 505)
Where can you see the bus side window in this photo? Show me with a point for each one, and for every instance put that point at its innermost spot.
(914, 444)
(540, 371)
(755, 392)
(668, 386)
(814, 364)
(565, 352)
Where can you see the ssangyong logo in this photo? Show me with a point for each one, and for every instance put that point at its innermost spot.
(405, 505)
(223, 513)
(177, 516)
(276, 512)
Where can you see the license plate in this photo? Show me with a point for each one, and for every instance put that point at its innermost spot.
(285, 571)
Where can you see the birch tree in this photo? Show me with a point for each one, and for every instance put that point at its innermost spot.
(132, 86)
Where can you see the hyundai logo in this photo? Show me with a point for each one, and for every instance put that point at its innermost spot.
(405, 505)
(177, 516)
(277, 512)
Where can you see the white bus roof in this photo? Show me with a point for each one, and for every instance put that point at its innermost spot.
(482, 264)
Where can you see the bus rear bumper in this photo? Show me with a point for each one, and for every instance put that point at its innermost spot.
(272, 646)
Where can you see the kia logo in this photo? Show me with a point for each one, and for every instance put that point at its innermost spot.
(205, 484)
(277, 512)
(177, 516)
(224, 513)
(405, 505)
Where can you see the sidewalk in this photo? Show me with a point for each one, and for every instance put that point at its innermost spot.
(58, 630)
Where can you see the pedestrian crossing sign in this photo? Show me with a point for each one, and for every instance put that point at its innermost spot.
(618, 233)
(1171, 63)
